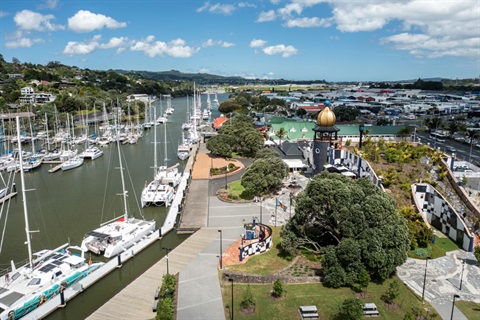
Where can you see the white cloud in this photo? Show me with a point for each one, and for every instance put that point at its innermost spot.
(225, 9)
(204, 70)
(3, 14)
(246, 5)
(48, 4)
(444, 23)
(86, 21)
(175, 48)
(257, 43)
(285, 51)
(82, 48)
(29, 20)
(308, 23)
(219, 43)
(22, 43)
(275, 1)
(267, 16)
(217, 8)
(426, 46)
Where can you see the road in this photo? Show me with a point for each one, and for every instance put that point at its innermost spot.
(463, 151)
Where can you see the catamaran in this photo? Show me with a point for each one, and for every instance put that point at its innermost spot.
(119, 234)
(24, 288)
(158, 192)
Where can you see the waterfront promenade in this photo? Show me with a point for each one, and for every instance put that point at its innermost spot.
(197, 259)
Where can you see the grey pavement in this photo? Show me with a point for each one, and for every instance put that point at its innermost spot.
(199, 293)
(443, 278)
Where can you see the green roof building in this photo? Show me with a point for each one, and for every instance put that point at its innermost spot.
(301, 130)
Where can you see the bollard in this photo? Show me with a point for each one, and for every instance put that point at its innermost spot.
(62, 298)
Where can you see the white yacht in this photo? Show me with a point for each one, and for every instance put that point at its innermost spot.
(92, 153)
(157, 193)
(119, 234)
(72, 163)
(184, 149)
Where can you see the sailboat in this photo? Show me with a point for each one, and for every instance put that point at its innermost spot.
(157, 192)
(165, 174)
(169, 109)
(119, 234)
(24, 288)
(91, 152)
(183, 149)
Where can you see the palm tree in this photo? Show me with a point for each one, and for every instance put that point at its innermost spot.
(281, 133)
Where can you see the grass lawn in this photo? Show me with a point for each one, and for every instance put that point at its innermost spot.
(235, 188)
(266, 263)
(470, 309)
(327, 300)
(442, 245)
(446, 244)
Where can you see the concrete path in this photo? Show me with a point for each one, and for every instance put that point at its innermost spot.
(136, 300)
(199, 294)
(443, 280)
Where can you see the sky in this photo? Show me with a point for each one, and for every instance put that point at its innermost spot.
(347, 40)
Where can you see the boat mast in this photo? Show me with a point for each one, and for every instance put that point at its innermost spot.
(24, 199)
(154, 144)
(165, 146)
(124, 192)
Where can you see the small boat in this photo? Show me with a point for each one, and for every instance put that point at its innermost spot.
(91, 153)
(72, 163)
(31, 164)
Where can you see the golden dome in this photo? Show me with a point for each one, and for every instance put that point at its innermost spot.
(326, 118)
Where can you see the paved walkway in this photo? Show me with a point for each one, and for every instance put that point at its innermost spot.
(443, 280)
(136, 300)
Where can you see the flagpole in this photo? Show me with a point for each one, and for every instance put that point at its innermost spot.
(276, 205)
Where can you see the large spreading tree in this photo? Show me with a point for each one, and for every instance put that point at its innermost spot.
(265, 175)
(236, 135)
(353, 223)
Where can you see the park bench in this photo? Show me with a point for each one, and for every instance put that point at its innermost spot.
(309, 312)
(370, 310)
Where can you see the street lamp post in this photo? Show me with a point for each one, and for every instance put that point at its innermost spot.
(361, 128)
(461, 277)
(231, 280)
(425, 278)
(260, 208)
(471, 146)
(166, 256)
(226, 185)
(453, 304)
(221, 251)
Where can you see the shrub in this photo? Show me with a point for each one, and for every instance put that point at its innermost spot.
(165, 309)
(277, 289)
(247, 299)
(392, 293)
(350, 309)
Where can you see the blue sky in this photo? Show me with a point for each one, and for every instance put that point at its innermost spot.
(349, 40)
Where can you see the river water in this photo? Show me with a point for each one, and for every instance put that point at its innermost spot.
(64, 205)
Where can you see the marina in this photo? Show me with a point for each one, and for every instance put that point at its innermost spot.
(77, 187)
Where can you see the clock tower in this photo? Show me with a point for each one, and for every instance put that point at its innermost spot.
(325, 136)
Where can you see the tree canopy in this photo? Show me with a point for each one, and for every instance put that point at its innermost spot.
(236, 135)
(354, 223)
